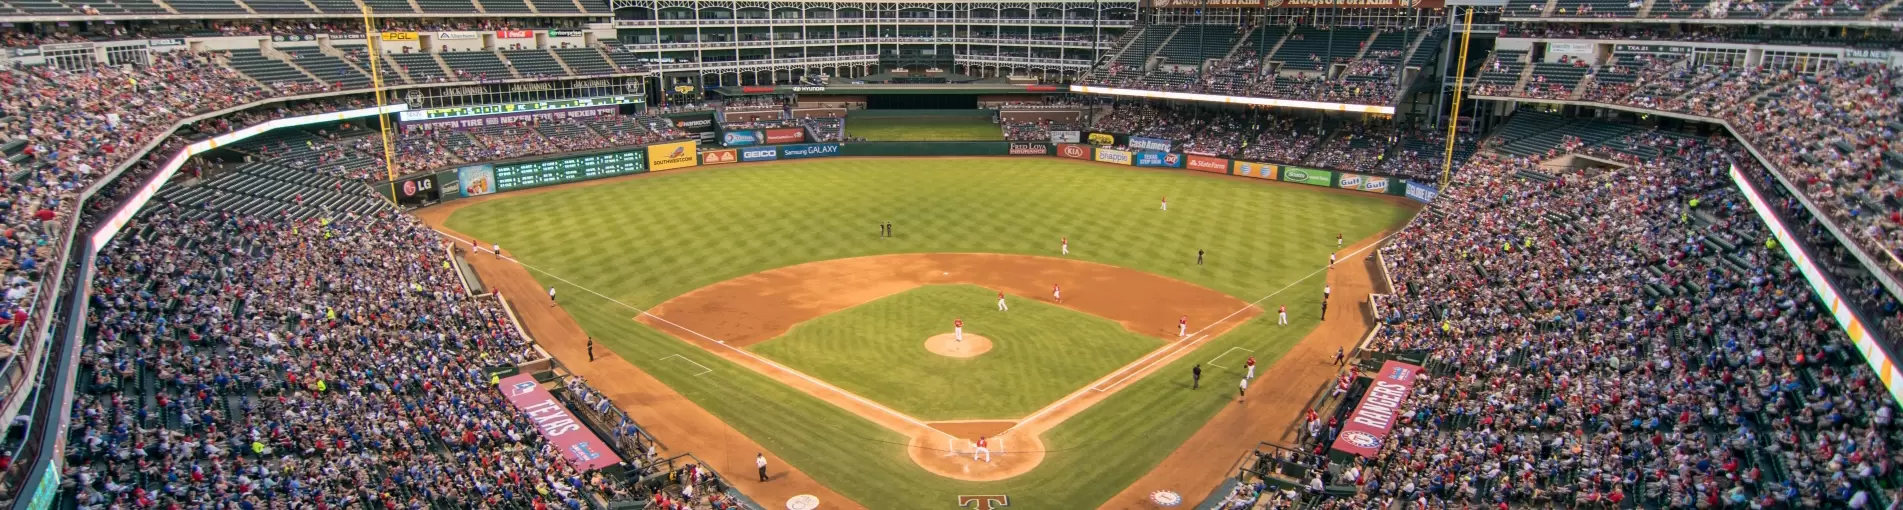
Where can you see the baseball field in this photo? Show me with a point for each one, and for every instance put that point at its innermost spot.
(758, 307)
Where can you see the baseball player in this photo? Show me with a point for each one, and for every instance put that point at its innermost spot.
(1331, 260)
(981, 449)
(1282, 315)
(1337, 240)
(1251, 365)
(1001, 305)
(1064, 243)
(497, 249)
(1339, 355)
(1057, 294)
(551, 296)
(759, 461)
(1242, 390)
(1182, 327)
(958, 330)
(1326, 289)
(1166, 203)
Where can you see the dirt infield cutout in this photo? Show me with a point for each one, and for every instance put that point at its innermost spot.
(950, 346)
(728, 316)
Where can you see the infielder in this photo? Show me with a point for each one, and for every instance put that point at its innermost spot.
(1166, 203)
(1182, 327)
(1242, 390)
(1251, 365)
(1057, 294)
(1064, 243)
(981, 449)
(1001, 306)
(551, 296)
(1331, 260)
(1282, 314)
(958, 330)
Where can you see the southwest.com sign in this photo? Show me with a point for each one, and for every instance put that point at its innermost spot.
(1256, 101)
(669, 156)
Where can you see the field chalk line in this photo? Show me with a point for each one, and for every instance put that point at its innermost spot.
(1146, 362)
(1212, 361)
(722, 343)
(703, 368)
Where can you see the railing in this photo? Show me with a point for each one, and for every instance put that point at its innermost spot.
(775, 42)
(1086, 22)
(835, 59)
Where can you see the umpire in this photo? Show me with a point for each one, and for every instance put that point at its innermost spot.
(1196, 376)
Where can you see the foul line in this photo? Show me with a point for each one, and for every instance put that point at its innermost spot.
(703, 368)
(1140, 364)
(722, 343)
(1212, 361)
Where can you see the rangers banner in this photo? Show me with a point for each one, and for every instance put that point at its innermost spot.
(1074, 151)
(1256, 170)
(1140, 143)
(1067, 136)
(1208, 164)
(1367, 428)
(1421, 192)
(780, 136)
(719, 157)
(1162, 159)
(760, 154)
(1113, 156)
(1308, 176)
(669, 156)
(579, 445)
(1030, 149)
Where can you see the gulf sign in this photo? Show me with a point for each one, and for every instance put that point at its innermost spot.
(719, 157)
(760, 154)
(1208, 164)
(780, 136)
(1368, 427)
(1366, 183)
(1256, 170)
(814, 150)
(1073, 151)
(669, 156)
(1113, 156)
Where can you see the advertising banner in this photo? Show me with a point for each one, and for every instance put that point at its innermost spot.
(1256, 170)
(1421, 192)
(695, 123)
(740, 138)
(1163, 159)
(669, 156)
(514, 34)
(1074, 151)
(456, 36)
(504, 119)
(1102, 139)
(1373, 184)
(399, 36)
(416, 190)
(1067, 136)
(1349, 181)
(578, 444)
(813, 150)
(564, 32)
(719, 157)
(477, 180)
(523, 107)
(1367, 428)
(1030, 149)
(786, 135)
(760, 154)
(1113, 156)
(1208, 164)
(1139, 143)
(1308, 176)
(750, 89)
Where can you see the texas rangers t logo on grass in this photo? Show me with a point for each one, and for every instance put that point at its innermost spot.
(984, 502)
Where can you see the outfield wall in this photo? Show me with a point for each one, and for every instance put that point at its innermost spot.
(485, 178)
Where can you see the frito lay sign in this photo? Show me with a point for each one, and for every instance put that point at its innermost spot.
(1368, 427)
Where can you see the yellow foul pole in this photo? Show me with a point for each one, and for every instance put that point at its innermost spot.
(1460, 82)
(372, 37)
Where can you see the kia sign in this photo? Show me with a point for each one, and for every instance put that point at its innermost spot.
(809, 151)
(1074, 151)
(760, 154)
(579, 445)
(1368, 426)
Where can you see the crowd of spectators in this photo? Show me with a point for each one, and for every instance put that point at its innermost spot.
(1605, 335)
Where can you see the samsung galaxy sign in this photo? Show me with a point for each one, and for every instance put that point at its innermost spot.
(809, 151)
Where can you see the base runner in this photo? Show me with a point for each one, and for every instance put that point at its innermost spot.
(982, 449)
(958, 330)
(1182, 327)
(1057, 294)
(1001, 305)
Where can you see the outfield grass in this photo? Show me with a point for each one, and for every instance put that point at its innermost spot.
(877, 350)
(934, 129)
(644, 240)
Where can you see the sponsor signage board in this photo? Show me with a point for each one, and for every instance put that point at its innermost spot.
(719, 157)
(811, 150)
(1308, 176)
(1074, 151)
(760, 154)
(399, 36)
(1030, 149)
(512, 118)
(580, 446)
(1349, 181)
(740, 138)
(1141, 143)
(1212, 98)
(564, 32)
(695, 123)
(514, 34)
(457, 36)
(1207, 164)
(1421, 192)
(165, 42)
(1113, 156)
(1257, 170)
(1367, 427)
(476, 180)
(672, 155)
(1102, 139)
(1067, 136)
(785, 135)
(1162, 159)
(416, 190)
(526, 106)
(1374, 184)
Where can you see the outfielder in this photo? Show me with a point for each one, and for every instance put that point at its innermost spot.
(1057, 294)
(1001, 306)
(1251, 365)
(1282, 314)
(1166, 203)
(1064, 243)
(981, 449)
(1337, 240)
(1182, 327)
(958, 330)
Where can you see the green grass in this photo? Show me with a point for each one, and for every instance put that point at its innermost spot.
(912, 129)
(644, 240)
(877, 350)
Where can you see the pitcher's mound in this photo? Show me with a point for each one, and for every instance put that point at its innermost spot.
(944, 345)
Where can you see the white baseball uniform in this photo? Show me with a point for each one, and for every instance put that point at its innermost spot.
(1066, 246)
(1283, 312)
(1001, 305)
(1331, 260)
(1182, 327)
(1166, 204)
(958, 331)
(982, 449)
(1056, 295)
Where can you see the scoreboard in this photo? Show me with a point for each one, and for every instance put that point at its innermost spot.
(514, 176)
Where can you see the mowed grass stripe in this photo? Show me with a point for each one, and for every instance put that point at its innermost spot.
(645, 240)
(877, 350)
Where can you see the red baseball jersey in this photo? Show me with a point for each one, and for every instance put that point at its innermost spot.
(1252, 361)
(981, 442)
(958, 323)
(1053, 288)
(1000, 295)
(1282, 309)
(1184, 320)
